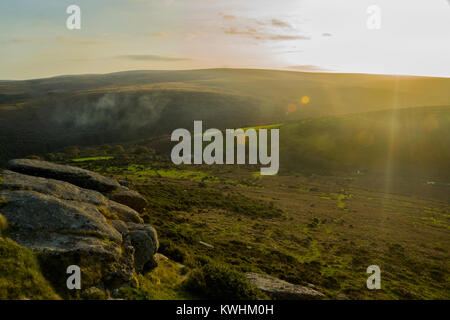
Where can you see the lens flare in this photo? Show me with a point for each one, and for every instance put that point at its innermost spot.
(305, 100)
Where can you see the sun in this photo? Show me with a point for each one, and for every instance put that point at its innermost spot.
(305, 100)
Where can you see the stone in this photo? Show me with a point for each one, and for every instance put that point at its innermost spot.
(342, 296)
(35, 220)
(68, 224)
(120, 226)
(64, 190)
(129, 198)
(282, 290)
(145, 242)
(206, 244)
(77, 176)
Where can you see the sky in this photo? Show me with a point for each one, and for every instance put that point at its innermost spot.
(413, 37)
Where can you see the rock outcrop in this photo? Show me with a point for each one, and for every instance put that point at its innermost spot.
(282, 290)
(129, 198)
(59, 212)
(68, 191)
(77, 176)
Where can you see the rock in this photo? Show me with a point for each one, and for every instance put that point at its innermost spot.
(67, 233)
(64, 190)
(206, 244)
(282, 290)
(161, 257)
(124, 182)
(68, 224)
(77, 176)
(129, 198)
(120, 226)
(124, 213)
(342, 296)
(145, 242)
(42, 221)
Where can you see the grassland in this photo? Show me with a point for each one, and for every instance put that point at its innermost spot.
(323, 230)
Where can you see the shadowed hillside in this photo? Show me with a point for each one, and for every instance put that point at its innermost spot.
(404, 141)
(43, 115)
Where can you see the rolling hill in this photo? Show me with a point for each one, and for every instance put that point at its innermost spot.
(44, 115)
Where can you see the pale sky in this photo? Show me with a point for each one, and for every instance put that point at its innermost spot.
(311, 35)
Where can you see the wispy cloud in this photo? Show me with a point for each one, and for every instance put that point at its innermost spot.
(261, 30)
(281, 24)
(263, 36)
(151, 57)
(228, 17)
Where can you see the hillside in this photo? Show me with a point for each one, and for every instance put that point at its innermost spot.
(411, 141)
(389, 143)
(44, 115)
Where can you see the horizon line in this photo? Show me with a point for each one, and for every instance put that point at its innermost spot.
(286, 69)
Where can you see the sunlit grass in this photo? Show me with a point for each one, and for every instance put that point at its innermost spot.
(92, 159)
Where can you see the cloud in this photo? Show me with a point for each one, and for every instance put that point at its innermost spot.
(307, 68)
(261, 30)
(281, 24)
(261, 35)
(151, 57)
(228, 17)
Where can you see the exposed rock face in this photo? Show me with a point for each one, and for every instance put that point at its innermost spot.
(77, 176)
(142, 238)
(33, 217)
(73, 225)
(67, 191)
(282, 290)
(129, 198)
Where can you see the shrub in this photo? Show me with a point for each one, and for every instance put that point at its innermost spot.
(141, 150)
(117, 149)
(3, 224)
(72, 150)
(221, 282)
(50, 157)
(169, 249)
(89, 151)
(105, 147)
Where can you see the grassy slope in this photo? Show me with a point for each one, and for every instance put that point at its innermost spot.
(45, 114)
(405, 141)
(323, 230)
(20, 274)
